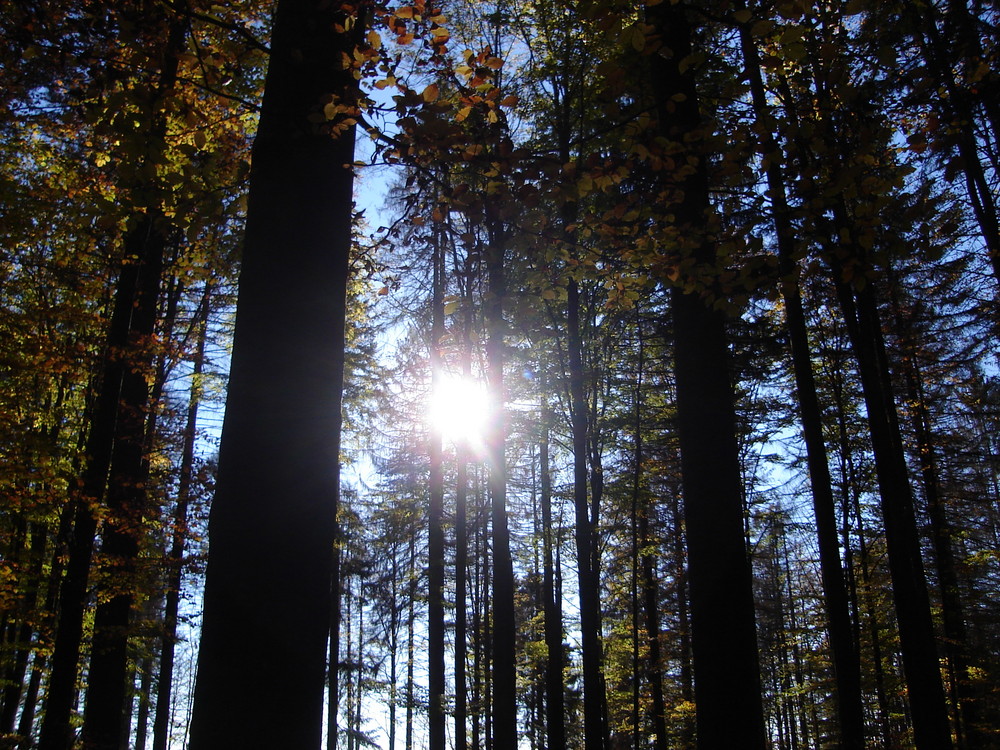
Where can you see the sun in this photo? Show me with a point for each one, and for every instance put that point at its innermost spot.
(459, 410)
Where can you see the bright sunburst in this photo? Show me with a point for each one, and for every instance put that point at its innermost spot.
(459, 410)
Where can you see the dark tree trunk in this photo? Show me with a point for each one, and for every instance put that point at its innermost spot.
(504, 708)
(107, 689)
(956, 643)
(555, 714)
(23, 627)
(846, 662)
(435, 530)
(145, 695)
(595, 730)
(122, 380)
(909, 584)
(175, 559)
(462, 540)
(726, 669)
(116, 443)
(273, 519)
(411, 641)
(646, 559)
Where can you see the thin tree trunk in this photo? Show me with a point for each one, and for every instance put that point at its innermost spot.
(142, 713)
(435, 531)
(846, 661)
(462, 540)
(23, 627)
(179, 531)
(411, 642)
(504, 711)
(956, 645)
(594, 697)
(909, 585)
(642, 508)
(555, 712)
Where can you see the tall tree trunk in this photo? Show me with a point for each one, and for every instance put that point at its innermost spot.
(595, 728)
(411, 640)
(956, 644)
(504, 709)
(435, 530)
(909, 584)
(145, 695)
(462, 538)
(273, 520)
(646, 556)
(179, 531)
(138, 279)
(846, 661)
(726, 668)
(23, 626)
(555, 713)
(333, 641)
(115, 444)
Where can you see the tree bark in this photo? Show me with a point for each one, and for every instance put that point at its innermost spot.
(726, 668)
(504, 709)
(435, 530)
(273, 520)
(846, 662)
(909, 584)
(178, 541)
(555, 716)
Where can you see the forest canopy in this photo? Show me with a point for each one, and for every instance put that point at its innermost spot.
(513, 374)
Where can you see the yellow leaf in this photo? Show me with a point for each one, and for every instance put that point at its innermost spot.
(405, 11)
(431, 93)
(374, 40)
(492, 116)
(463, 113)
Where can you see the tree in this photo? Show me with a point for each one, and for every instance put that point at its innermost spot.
(273, 517)
(726, 671)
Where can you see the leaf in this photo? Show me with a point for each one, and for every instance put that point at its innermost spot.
(406, 11)
(742, 16)
(495, 63)
(374, 40)
(431, 93)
